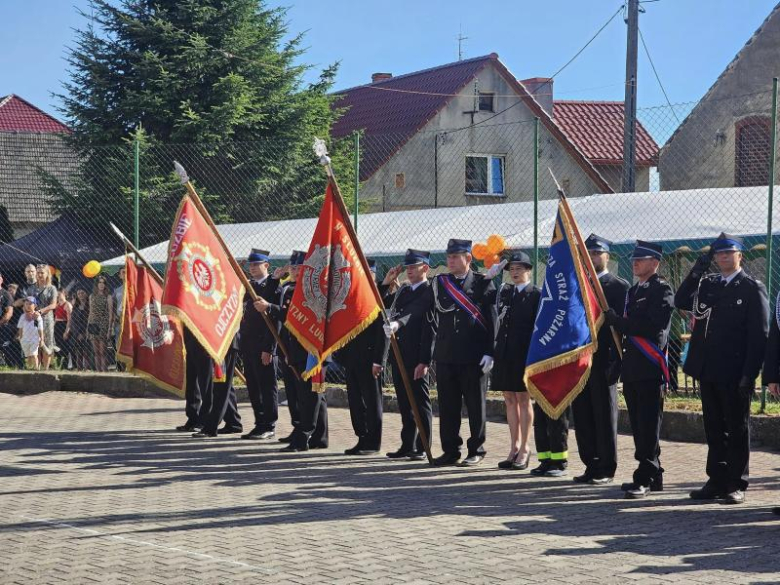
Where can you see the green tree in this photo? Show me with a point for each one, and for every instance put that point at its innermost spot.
(211, 83)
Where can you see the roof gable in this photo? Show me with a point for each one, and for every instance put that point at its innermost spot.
(19, 115)
(596, 127)
(399, 107)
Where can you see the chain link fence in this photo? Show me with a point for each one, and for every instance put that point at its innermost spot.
(702, 168)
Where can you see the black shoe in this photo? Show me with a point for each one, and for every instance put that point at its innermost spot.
(286, 439)
(637, 492)
(368, 451)
(400, 454)
(656, 485)
(203, 435)
(472, 460)
(776, 510)
(708, 492)
(230, 430)
(188, 428)
(253, 435)
(629, 485)
(353, 450)
(584, 478)
(318, 445)
(507, 463)
(541, 469)
(556, 469)
(417, 456)
(446, 459)
(735, 497)
(605, 480)
(522, 465)
(293, 448)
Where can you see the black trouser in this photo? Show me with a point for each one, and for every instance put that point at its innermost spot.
(410, 439)
(551, 436)
(595, 413)
(459, 383)
(12, 353)
(645, 403)
(291, 391)
(726, 411)
(364, 393)
(197, 393)
(225, 406)
(673, 358)
(262, 388)
(61, 342)
(312, 428)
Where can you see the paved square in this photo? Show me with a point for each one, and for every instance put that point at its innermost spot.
(99, 490)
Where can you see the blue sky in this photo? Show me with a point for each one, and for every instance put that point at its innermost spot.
(690, 41)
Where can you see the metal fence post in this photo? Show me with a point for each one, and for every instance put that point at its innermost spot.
(357, 178)
(770, 202)
(536, 199)
(136, 192)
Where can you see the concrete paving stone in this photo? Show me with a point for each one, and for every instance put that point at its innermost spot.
(98, 489)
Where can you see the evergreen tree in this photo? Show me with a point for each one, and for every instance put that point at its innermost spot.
(211, 83)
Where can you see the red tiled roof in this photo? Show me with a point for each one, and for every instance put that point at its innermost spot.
(18, 115)
(388, 108)
(391, 111)
(596, 128)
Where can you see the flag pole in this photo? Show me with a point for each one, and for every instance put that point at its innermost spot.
(602, 299)
(238, 270)
(321, 152)
(156, 275)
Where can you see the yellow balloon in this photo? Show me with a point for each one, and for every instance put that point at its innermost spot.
(91, 269)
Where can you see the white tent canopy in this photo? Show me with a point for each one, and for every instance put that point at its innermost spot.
(621, 217)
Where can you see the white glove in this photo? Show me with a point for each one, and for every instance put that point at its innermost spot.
(494, 270)
(390, 328)
(486, 363)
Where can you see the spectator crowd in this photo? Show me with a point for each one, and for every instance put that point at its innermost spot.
(44, 325)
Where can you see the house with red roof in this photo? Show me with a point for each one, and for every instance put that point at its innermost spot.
(464, 133)
(31, 143)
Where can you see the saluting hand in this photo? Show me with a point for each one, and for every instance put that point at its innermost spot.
(281, 272)
(392, 276)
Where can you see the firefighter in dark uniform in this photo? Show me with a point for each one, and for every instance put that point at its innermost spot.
(726, 351)
(595, 410)
(364, 385)
(197, 388)
(258, 347)
(278, 313)
(460, 320)
(645, 326)
(224, 404)
(407, 308)
(516, 307)
(308, 410)
(771, 376)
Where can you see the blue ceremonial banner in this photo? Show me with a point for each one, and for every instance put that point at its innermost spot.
(567, 323)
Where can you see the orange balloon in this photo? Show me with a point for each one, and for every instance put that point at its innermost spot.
(496, 244)
(479, 251)
(491, 260)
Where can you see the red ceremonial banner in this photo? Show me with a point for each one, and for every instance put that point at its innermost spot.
(201, 287)
(150, 343)
(334, 301)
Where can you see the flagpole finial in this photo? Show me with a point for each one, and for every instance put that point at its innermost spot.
(557, 184)
(321, 151)
(179, 169)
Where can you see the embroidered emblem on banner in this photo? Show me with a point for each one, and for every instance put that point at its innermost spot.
(153, 327)
(315, 280)
(201, 275)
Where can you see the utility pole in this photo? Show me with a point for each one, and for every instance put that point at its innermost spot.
(629, 127)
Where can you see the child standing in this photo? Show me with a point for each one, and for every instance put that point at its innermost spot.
(30, 333)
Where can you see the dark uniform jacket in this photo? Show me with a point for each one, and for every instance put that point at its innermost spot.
(730, 329)
(515, 322)
(255, 335)
(362, 350)
(606, 360)
(459, 339)
(409, 307)
(772, 360)
(649, 315)
(278, 313)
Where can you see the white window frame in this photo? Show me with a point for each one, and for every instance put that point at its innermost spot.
(489, 157)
